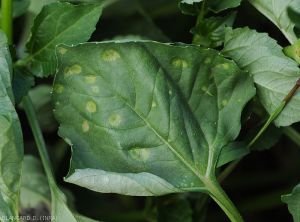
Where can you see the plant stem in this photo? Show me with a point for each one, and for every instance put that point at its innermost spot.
(292, 134)
(200, 18)
(6, 20)
(38, 137)
(220, 197)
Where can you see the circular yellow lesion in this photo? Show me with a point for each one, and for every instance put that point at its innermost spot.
(110, 55)
(72, 70)
(62, 50)
(141, 154)
(153, 104)
(91, 107)
(226, 65)
(224, 102)
(90, 79)
(58, 88)
(85, 126)
(114, 119)
(179, 63)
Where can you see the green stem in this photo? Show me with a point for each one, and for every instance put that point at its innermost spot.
(200, 18)
(220, 197)
(6, 20)
(38, 137)
(293, 134)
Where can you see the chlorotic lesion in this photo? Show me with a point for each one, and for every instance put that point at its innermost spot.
(207, 60)
(90, 79)
(72, 70)
(141, 154)
(179, 63)
(110, 55)
(114, 119)
(85, 126)
(91, 106)
(58, 88)
(224, 102)
(62, 50)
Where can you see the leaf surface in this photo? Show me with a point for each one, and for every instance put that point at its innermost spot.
(11, 142)
(277, 12)
(141, 112)
(273, 72)
(58, 23)
(293, 202)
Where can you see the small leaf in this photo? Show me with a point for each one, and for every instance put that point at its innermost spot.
(293, 202)
(293, 51)
(277, 12)
(145, 106)
(273, 72)
(174, 210)
(221, 5)
(58, 23)
(231, 152)
(11, 141)
(211, 31)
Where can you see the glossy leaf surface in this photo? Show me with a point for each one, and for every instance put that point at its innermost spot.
(140, 111)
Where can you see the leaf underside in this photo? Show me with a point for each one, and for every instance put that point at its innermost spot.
(136, 114)
(274, 74)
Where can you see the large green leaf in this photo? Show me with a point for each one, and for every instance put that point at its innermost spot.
(277, 12)
(11, 143)
(293, 202)
(147, 118)
(273, 72)
(58, 23)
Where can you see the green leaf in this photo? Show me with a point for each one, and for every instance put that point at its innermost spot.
(58, 23)
(21, 83)
(221, 5)
(11, 142)
(273, 72)
(293, 51)
(210, 32)
(192, 7)
(34, 187)
(174, 210)
(293, 202)
(150, 108)
(277, 12)
(231, 152)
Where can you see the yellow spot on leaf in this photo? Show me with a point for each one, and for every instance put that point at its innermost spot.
(179, 63)
(91, 107)
(90, 79)
(224, 102)
(62, 50)
(153, 104)
(114, 119)
(225, 65)
(85, 126)
(73, 70)
(110, 55)
(58, 88)
(142, 154)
